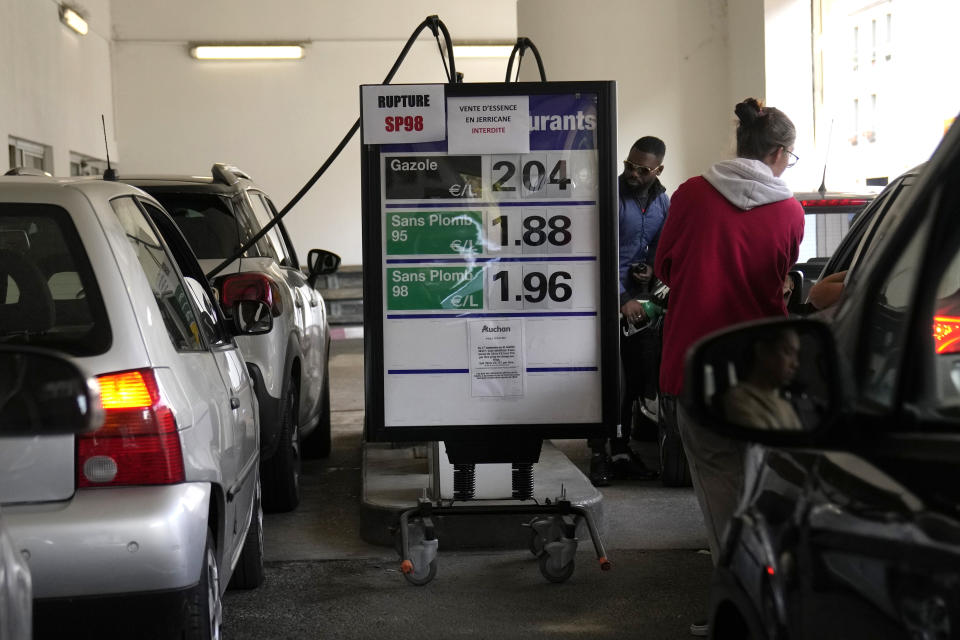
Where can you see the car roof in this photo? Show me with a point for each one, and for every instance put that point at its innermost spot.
(223, 178)
(90, 185)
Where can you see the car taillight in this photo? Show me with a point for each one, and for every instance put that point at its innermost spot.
(138, 443)
(946, 334)
(834, 202)
(250, 286)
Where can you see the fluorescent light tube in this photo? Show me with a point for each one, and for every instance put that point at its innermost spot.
(482, 50)
(73, 20)
(247, 52)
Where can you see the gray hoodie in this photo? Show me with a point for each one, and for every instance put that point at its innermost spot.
(747, 183)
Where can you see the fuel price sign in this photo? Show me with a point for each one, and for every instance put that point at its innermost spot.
(490, 288)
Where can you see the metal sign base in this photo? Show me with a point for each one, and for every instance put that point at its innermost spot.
(552, 532)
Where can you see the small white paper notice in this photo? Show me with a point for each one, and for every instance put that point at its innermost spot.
(488, 125)
(496, 358)
(402, 114)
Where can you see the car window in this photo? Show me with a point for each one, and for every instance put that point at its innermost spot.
(178, 316)
(291, 252)
(822, 235)
(275, 245)
(48, 293)
(211, 318)
(207, 221)
(887, 320)
(856, 241)
(877, 213)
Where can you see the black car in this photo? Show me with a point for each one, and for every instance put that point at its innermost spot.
(848, 525)
(848, 228)
(828, 219)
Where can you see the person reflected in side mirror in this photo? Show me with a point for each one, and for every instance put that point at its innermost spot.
(758, 401)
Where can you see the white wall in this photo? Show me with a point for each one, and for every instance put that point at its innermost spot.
(680, 67)
(279, 120)
(55, 83)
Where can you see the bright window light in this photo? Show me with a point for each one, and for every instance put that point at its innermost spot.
(247, 52)
(482, 50)
(73, 20)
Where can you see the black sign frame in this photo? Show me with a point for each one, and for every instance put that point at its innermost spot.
(373, 292)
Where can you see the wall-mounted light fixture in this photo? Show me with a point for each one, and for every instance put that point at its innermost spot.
(74, 20)
(247, 51)
(482, 50)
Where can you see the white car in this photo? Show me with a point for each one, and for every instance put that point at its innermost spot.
(41, 394)
(164, 498)
(288, 365)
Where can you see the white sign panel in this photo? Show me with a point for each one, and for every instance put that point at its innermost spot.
(400, 114)
(488, 125)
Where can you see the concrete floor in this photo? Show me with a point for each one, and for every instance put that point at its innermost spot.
(324, 581)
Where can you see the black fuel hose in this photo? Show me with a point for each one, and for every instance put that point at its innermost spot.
(520, 47)
(435, 24)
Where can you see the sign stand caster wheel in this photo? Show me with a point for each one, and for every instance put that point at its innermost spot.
(552, 572)
(419, 576)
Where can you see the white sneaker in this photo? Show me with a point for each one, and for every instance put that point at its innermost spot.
(700, 629)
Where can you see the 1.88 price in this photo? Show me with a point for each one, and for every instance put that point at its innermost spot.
(536, 230)
(403, 123)
(532, 230)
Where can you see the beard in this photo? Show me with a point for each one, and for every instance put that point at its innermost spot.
(635, 188)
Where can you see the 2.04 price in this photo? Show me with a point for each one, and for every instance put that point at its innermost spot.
(534, 175)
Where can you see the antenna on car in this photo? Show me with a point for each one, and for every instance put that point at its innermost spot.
(109, 174)
(823, 180)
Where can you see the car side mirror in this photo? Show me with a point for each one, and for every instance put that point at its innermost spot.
(252, 318)
(771, 381)
(321, 262)
(43, 393)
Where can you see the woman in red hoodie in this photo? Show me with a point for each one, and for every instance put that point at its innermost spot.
(729, 241)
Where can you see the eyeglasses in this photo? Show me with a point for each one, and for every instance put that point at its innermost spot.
(794, 157)
(638, 168)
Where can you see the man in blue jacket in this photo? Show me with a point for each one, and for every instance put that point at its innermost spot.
(643, 210)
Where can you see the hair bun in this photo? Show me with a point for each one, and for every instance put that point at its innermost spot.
(748, 110)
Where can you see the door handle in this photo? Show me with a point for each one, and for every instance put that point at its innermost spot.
(234, 402)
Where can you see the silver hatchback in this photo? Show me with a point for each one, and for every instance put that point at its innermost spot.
(164, 498)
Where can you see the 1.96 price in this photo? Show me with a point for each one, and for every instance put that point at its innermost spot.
(533, 286)
(403, 123)
(537, 286)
